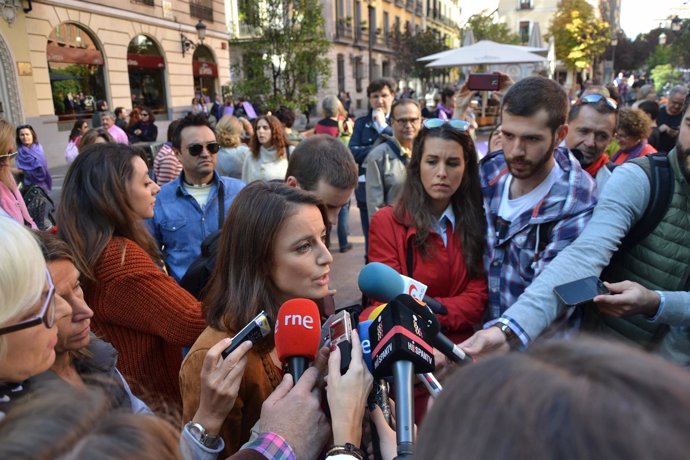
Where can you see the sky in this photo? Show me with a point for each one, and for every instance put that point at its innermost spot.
(636, 15)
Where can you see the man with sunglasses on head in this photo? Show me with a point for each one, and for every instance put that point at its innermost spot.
(386, 164)
(194, 205)
(537, 197)
(669, 119)
(649, 280)
(591, 124)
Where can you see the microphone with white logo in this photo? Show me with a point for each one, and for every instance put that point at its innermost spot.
(382, 283)
(297, 335)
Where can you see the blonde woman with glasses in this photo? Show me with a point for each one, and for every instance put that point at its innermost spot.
(11, 201)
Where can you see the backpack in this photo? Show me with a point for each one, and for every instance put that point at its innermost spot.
(40, 206)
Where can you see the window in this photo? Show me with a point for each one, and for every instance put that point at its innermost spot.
(145, 2)
(524, 4)
(523, 32)
(341, 72)
(386, 27)
(201, 9)
(358, 21)
(146, 74)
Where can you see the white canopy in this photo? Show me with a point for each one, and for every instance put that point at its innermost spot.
(485, 52)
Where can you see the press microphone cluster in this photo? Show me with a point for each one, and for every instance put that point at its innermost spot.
(398, 349)
(382, 283)
(297, 335)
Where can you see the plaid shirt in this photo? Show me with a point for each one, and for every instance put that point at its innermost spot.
(272, 446)
(514, 254)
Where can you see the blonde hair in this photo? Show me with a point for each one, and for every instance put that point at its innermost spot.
(7, 136)
(229, 131)
(22, 272)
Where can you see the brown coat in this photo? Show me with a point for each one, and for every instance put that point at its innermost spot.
(260, 379)
(146, 316)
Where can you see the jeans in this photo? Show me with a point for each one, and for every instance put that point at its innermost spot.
(361, 197)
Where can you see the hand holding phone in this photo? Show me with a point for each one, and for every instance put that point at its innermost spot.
(484, 81)
(341, 336)
(257, 329)
(580, 292)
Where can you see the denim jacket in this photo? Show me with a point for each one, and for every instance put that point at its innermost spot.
(179, 225)
(512, 256)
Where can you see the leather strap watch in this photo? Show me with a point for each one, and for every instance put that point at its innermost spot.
(511, 337)
(199, 433)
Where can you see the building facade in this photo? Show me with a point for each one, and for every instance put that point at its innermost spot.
(59, 58)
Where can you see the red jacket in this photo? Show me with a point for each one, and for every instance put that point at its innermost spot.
(444, 272)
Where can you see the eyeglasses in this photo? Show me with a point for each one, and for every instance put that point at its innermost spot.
(144, 114)
(8, 156)
(196, 149)
(460, 125)
(675, 103)
(45, 316)
(405, 121)
(595, 98)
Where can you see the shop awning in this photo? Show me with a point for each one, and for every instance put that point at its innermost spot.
(145, 61)
(74, 55)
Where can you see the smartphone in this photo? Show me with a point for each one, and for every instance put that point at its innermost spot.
(257, 329)
(484, 81)
(580, 292)
(340, 332)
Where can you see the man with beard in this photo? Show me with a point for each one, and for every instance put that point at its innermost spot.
(591, 124)
(537, 197)
(649, 282)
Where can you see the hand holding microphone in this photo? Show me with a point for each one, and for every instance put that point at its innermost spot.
(347, 393)
(297, 335)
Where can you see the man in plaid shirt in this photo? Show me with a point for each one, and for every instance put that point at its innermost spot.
(537, 197)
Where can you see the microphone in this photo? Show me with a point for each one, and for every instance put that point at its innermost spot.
(380, 282)
(432, 331)
(398, 349)
(297, 335)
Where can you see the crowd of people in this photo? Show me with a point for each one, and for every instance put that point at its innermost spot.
(114, 323)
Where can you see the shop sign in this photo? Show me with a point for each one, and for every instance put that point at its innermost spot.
(74, 55)
(205, 69)
(145, 61)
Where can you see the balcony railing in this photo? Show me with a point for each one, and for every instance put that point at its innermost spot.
(343, 29)
(201, 10)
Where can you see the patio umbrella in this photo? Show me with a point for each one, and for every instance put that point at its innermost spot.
(486, 52)
(535, 37)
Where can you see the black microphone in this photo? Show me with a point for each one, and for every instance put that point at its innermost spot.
(382, 283)
(432, 331)
(398, 349)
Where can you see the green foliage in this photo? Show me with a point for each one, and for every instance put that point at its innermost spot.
(484, 28)
(286, 61)
(663, 74)
(580, 37)
(660, 56)
(409, 47)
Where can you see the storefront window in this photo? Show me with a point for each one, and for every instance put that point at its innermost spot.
(75, 66)
(205, 73)
(147, 75)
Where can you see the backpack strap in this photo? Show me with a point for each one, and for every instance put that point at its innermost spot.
(660, 175)
(221, 204)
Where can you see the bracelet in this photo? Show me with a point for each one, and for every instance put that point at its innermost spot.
(347, 449)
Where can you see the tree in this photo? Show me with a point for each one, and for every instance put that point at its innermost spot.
(580, 38)
(664, 75)
(409, 47)
(484, 28)
(286, 62)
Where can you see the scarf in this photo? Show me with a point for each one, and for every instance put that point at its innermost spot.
(594, 168)
(638, 150)
(32, 161)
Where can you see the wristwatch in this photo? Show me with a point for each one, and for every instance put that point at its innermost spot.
(511, 337)
(198, 432)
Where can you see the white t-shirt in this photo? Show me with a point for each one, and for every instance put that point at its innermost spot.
(511, 209)
(199, 192)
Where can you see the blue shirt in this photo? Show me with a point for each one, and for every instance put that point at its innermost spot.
(180, 225)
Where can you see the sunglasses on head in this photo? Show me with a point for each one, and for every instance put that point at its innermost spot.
(8, 156)
(596, 98)
(460, 125)
(196, 149)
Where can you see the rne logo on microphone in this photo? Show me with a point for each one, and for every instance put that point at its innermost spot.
(306, 321)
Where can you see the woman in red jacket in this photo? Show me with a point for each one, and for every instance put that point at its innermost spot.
(435, 231)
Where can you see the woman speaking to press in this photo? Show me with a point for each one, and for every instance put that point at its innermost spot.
(138, 308)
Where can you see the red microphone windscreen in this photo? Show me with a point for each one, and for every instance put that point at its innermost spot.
(298, 329)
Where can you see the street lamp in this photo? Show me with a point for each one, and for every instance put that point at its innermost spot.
(187, 44)
(662, 39)
(614, 43)
(675, 23)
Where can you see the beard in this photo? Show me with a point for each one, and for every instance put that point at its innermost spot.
(683, 158)
(524, 169)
